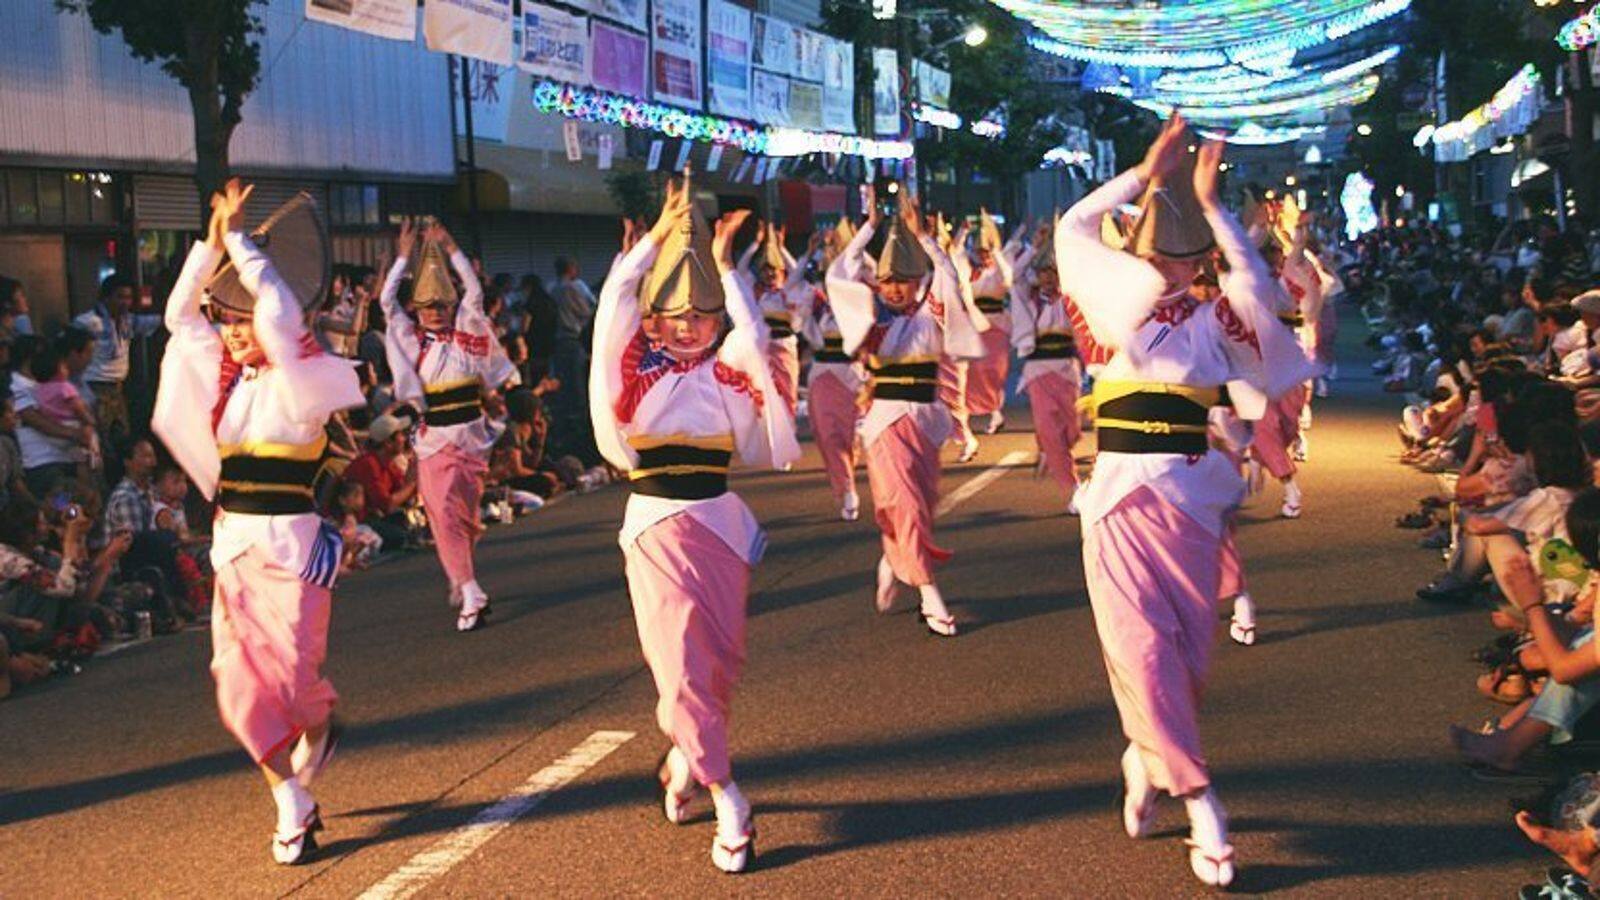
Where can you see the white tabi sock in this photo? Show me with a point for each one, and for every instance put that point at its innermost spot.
(294, 805)
(733, 812)
(1244, 610)
(1291, 493)
(1208, 822)
(933, 601)
(473, 598)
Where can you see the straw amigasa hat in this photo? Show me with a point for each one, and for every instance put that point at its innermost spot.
(684, 276)
(431, 284)
(902, 257)
(1289, 220)
(838, 239)
(988, 232)
(1111, 232)
(1171, 223)
(1045, 257)
(296, 242)
(772, 253)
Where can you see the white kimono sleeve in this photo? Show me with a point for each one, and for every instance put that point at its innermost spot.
(400, 345)
(191, 375)
(1024, 313)
(616, 327)
(1115, 291)
(850, 299)
(317, 384)
(961, 322)
(471, 319)
(767, 437)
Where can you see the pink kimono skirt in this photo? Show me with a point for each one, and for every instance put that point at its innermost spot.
(903, 469)
(1056, 427)
(1277, 431)
(1152, 574)
(689, 591)
(833, 422)
(451, 484)
(953, 375)
(986, 377)
(269, 636)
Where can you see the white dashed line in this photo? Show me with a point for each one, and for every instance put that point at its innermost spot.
(453, 848)
(982, 480)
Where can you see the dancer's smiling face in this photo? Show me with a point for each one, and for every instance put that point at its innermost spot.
(899, 295)
(686, 336)
(239, 338)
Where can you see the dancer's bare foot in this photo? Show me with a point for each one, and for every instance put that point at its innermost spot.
(1576, 848)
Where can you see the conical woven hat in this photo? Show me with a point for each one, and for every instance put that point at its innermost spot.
(988, 232)
(1045, 257)
(772, 252)
(1289, 219)
(1171, 223)
(1111, 232)
(838, 239)
(432, 285)
(296, 242)
(902, 257)
(684, 275)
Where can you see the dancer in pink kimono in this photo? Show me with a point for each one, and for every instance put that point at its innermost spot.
(1154, 512)
(244, 397)
(780, 292)
(1278, 434)
(904, 315)
(991, 277)
(673, 396)
(833, 391)
(1052, 374)
(445, 360)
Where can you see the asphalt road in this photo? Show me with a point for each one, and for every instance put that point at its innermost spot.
(882, 761)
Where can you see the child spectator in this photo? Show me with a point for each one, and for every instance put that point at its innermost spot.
(60, 402)
(361, 542)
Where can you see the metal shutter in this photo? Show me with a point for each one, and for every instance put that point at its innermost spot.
(162, 202)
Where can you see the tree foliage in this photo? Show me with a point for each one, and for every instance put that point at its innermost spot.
(210, 47)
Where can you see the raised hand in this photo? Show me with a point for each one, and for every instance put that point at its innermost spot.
(1167, 152)
(911, 214)
(407, 239)
(722, 239)
(229, 204)
(1208, 174)
(674, 209)
(874, 218)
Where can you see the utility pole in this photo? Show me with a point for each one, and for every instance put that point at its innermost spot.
(472, 154)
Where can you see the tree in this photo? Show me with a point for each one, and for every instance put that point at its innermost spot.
(211, 47)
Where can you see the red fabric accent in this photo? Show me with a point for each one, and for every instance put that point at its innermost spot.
(1089, 350)
(1176, 313)
(1296, 292)
(470, 344)
(379, 480)
(741, 383)
(309, 346)
(1234, 327)
(635, 382)
(228, 379)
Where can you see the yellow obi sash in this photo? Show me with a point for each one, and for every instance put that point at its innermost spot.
(832, 350)
(781, 325)
(681, 467)
(272, 479)
(453, 402)
(1152, 417)
(911, 378)
(991, 306)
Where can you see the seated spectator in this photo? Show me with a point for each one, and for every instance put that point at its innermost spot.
(11, 483)
(387, 473)
(153, 555)
(362, 543)
(58, 399)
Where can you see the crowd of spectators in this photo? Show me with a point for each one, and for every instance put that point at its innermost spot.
(1497, 347)
(102, 539)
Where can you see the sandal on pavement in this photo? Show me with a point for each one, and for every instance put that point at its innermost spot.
(300, 847)
(675, 798)
(1213, 869)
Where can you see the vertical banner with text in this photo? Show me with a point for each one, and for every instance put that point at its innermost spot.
(727, 59)
(675, 52)
(481, 29)
(392, 19)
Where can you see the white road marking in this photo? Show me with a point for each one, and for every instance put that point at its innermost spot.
(453, 848)
(982, 480)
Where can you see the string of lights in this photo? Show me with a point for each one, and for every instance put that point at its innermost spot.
(1227, 111)
(1509, 112)
(1200, 34)
(1290, 85)
(1580, 32)
(1253, 134)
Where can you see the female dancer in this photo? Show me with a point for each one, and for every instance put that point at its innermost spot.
(780, 292)
(991, 277)
(673, 395)
(1052, 374)
(1154, 512)
(904, 320)
(833, 390)
(444, 362)
(244, 413)
(1300, 302)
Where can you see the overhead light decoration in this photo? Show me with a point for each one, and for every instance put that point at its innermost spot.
(1423, 136)
(1580, 32)
(1193, 89)
(988, 128)
(1356, 201)
(1253, 134)
(1062, 157)
(939, 118)
(1507, 114)
(1198, 34)
(795, 142)
(1225, 110)
(628, 112)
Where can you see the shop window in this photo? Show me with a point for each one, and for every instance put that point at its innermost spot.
(52, 199)
(355, 204)
(23, 194)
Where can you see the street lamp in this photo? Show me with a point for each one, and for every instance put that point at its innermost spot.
(975, 36)
(1364, 129)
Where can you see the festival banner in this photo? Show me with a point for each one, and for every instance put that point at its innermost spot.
(617, 60)
(727, 59)
(395, 20)
(675, 52)
(480, 29)
(933, 85)
(839, 87)
(771, 106)
(885, 91)
(805, 105)
(809, 63)
(629, 12)
(775, 46)
(490, 87)
(555, 44)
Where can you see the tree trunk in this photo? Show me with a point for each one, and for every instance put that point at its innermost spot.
(212, 129)
(1580, 119)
